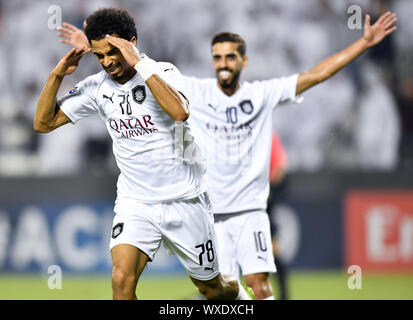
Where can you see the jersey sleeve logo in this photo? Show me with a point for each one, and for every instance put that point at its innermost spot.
(73, 90)
(139, 94)
(109, 98)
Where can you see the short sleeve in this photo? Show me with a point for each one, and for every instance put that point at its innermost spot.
(79, 102)
(173, 77)
(282, 90)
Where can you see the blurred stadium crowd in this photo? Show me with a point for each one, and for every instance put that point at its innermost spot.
(360, 119)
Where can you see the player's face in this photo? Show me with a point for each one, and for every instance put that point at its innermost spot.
(112, 60)
(228, 64)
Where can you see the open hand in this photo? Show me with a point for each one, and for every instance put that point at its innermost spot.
(73, 36)
(69, 62)
(375, 33)
(127, 49)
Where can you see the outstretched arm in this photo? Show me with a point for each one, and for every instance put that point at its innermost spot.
(373, 34)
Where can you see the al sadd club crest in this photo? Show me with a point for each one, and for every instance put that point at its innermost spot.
(139, 94)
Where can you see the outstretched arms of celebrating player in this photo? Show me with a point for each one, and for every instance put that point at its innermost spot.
(373, 34)
(48, 117)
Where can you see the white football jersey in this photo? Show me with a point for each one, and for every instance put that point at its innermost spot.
(143, 134)
(234, 134)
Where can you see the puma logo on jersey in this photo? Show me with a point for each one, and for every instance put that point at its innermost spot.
(211, 268)
(262, 258)
(110, 98)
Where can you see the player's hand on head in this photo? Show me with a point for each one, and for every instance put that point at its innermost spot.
(375, 33)
(127, 49)
(73, 36)
(68, 64)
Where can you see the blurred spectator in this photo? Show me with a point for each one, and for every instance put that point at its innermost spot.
(404, 96)
(377, 129)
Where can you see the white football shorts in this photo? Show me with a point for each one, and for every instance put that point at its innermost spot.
(185, 226)
(244, 242)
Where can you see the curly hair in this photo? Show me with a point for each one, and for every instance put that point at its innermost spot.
(110, 21)
(230, 37)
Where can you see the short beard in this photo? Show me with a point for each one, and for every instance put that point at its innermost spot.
(232, 84)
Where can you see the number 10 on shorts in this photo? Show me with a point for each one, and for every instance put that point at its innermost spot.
(208, 249)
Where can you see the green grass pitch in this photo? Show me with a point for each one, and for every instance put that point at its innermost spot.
(320, 285)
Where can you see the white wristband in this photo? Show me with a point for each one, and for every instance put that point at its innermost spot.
(146, 68)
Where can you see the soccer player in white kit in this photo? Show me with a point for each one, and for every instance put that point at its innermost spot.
(232, 124)
(160, 195)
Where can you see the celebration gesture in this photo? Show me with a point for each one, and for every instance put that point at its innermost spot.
(127, 49)
(68, 64)
(73, 36)
(375, 33)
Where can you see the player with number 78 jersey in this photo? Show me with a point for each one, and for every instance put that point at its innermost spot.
(232, 124)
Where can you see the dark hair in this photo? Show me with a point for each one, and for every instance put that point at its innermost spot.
(109, 21)
(230, 37)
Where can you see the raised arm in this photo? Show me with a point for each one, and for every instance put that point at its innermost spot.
(171, 101)
(48, 117)
(373, 34)
(73, 36)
